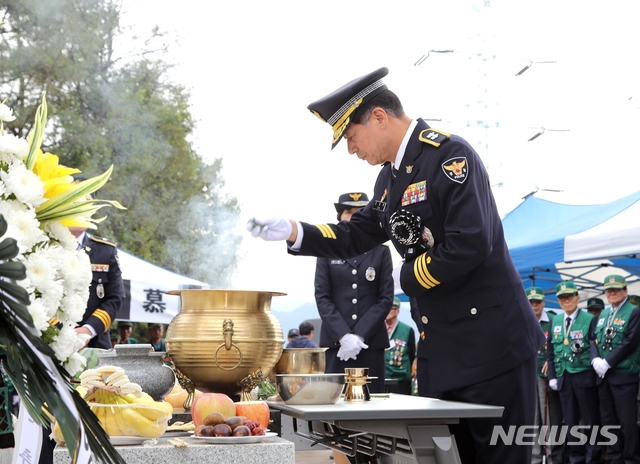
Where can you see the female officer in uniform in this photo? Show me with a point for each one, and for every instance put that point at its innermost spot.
(354, 297)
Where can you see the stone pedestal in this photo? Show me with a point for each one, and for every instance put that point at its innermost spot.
(274, 451)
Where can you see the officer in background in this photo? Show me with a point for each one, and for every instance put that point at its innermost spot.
(401, 352)
(106, 293)
(433, 200)
(353, 296)
(570, 371)
(125, 328)
(615, 356)
(595, 306)
(548, 409)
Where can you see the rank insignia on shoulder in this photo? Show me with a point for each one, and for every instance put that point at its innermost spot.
(103, 240)
(433, 137)
(456, 169)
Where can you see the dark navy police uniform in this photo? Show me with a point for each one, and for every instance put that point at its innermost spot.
(480, 333)
(354, 295)
(106, 293)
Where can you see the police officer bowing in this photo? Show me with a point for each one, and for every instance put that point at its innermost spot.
(433, 200)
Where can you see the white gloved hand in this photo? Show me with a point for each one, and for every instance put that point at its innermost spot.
(270, 229)
(350, 346)
(553, 384)
(396, 275)
(601, 366)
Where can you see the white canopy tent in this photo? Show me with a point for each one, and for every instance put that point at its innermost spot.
(145, 284)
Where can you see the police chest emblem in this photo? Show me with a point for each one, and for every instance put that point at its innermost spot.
(100, 290)
(370, 274)
(456, 169)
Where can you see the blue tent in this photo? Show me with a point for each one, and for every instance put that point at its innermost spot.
(550, 242)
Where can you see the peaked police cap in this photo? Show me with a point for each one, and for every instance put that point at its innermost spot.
(337, 108)
(351, 200)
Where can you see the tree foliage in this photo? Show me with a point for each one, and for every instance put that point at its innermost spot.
(110, 105)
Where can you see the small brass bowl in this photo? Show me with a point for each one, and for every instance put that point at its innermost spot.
(310, 388)
(301, 361)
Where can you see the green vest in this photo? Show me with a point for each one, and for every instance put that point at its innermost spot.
(620, 322)
(397, 363)
(542, 352)
(564, 358)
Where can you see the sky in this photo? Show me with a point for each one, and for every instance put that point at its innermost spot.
(253, 67)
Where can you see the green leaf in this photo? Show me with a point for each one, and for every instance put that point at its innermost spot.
(9, 248)
(38, 133)
(13, 270)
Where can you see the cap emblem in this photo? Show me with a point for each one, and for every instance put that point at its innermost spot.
(355, 196)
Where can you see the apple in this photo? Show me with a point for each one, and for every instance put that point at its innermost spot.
(254, 410)
(206, 403)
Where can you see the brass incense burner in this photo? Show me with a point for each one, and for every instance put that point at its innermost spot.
(224, 340)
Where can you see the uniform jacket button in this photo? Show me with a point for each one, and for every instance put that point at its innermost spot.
(354, 301)
(354, 286)
(354, 316)
(425, 320)
(354, 271)
(474, 311)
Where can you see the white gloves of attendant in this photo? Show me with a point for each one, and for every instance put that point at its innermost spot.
(270, 229)
(553, 384)
(601, 366)
(350, 346)
(396, 275)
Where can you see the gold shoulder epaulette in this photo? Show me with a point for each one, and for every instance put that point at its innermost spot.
(433, 137)
(106, 241)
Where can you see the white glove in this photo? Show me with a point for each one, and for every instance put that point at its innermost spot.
(350, 346)
(553, 384)
(396, 275)
(270, 229)
(601, 366)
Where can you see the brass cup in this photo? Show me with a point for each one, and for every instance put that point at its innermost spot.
(356, 380)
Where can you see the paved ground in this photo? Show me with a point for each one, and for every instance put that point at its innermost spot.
(314, 457)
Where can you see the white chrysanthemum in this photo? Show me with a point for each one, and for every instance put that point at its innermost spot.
(22, 224)
(6, 113)
(12, 148)
(77, 273)
(74, 306)
(2, 189)
(24, 184)
(39, 314)
(75, 364)
(57, 231)
(66, 343)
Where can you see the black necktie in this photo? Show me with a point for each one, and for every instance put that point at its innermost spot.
(567, 323)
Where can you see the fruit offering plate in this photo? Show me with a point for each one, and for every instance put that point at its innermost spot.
(124, 440)
(236, 440)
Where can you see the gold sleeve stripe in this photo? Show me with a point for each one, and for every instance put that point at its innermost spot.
(326, 230)
(104, 318)
(422, 274)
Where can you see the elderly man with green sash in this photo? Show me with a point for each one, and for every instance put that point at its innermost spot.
(571, 374)
(615, 356)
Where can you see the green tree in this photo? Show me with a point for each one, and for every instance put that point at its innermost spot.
(110, 105)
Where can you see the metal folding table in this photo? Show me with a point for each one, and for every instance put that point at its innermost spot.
(390, 428)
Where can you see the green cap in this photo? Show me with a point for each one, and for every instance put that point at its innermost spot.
(565, 288)
(534, 293)
(634, 300)
(396, 301)
(614, 281)
(595, 303)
